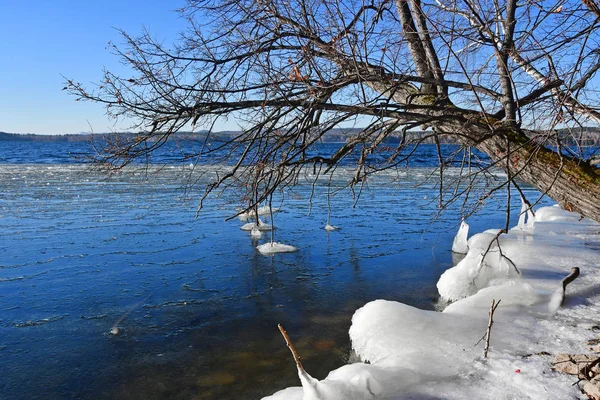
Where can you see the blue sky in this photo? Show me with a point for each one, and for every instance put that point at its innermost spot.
(40, 40)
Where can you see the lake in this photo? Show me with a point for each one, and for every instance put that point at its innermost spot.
(195, 306)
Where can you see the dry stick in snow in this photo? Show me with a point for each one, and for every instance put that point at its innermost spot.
(568, 279)
(290, 346)
(489, 328)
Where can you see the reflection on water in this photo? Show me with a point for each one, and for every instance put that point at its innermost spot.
(192, 306)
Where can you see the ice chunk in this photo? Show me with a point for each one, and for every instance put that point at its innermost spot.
(522, 214)
(460, 244)
(556, 300)
(474, 272)
(275, 247)
(266, 210)
(262, 226)
(526, 218)
(262, 211)
(255, 232)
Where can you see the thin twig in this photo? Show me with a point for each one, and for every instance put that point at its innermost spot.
(290, 346)
(489, 328)
(568, 279)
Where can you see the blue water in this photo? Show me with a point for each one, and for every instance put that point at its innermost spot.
(195, 305)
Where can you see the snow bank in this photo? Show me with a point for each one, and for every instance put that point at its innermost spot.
(485, 264)
(417, 354)
(275, 247)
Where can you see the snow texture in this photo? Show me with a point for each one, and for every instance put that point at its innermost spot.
(255, 232)
(526, 218)
(460, 245)
(418, 354)
(262, 226)
(475, 271)
(275, 247)
(262, 211)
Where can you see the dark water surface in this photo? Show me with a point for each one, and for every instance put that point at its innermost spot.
(195, 305)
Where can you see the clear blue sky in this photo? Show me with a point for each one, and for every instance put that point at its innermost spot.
(40, 40)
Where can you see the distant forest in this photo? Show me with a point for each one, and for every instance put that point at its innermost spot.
(585, 136)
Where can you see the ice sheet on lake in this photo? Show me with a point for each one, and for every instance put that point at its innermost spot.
(422, 354)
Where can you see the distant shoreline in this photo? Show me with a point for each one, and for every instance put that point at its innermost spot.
(586, 136)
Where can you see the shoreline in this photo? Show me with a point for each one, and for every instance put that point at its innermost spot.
(429, 355)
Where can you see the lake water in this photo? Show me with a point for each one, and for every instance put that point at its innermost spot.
(195, 305)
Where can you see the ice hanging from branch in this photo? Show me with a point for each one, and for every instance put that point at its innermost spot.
(526, 217)
(273, 247)
(460, 244)
(328, 226)
(260, 225)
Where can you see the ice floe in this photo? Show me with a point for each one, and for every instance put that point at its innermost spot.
(275, 247)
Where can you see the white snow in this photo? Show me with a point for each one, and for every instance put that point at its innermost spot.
(262, 211)
(255, 232)
(266, 210)
(460, 245)
(331, 227)
(418, 354)
(475, 272)
(262, 226)
(275, 247)
(526, 218)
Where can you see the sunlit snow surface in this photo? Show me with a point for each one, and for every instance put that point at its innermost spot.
(418, 354)
(460, 245)
(261, 226)
(275, 247)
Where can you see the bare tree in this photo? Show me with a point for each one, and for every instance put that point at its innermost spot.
(508, 78)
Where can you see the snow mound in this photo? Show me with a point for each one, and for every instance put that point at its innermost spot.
(475, 272)
(275, 247)
(350, 382)
(459, 245)
(420, 354)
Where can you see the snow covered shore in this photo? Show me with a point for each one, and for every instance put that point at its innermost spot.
(417, 354)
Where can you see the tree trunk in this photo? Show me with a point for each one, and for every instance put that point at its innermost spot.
(573, 184)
